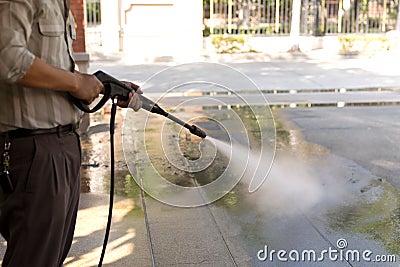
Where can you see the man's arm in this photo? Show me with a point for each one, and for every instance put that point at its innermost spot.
(44, 76)
(19, 65)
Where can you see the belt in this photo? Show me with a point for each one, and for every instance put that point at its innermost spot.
(61, 130)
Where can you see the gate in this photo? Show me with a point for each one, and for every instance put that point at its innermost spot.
(93, 23)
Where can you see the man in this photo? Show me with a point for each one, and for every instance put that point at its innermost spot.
(39, 148)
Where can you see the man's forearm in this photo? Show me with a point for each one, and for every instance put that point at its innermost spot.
(44, 76)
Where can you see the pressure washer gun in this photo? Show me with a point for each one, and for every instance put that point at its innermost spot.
(113, 88)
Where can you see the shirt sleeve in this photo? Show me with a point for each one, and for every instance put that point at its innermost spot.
(15, 28)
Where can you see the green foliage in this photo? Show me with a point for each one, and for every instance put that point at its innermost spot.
(206, 31)
(363, 43)
(93, 13)
(230, 44)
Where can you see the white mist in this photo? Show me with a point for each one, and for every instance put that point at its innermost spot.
(289, 187)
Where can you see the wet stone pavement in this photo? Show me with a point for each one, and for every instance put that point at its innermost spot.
(317, 197)
(334, 178)
(333, 187)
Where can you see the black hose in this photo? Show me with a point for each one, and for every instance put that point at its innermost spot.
(154, 108)
(110, 209)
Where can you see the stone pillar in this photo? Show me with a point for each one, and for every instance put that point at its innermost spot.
(110, 26)
(162, 29)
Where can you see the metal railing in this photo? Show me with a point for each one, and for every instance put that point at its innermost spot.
(318, 17)
(93, 22)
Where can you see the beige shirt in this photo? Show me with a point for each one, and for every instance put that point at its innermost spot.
(30, 28)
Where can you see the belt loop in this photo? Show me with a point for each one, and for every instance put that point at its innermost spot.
(75, 126)
(59, 131)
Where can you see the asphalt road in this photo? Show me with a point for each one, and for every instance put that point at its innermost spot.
(369, 136)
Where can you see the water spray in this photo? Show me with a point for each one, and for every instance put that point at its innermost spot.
(117, 90)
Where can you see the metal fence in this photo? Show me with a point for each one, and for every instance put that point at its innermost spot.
(318, 17)
(93, 22)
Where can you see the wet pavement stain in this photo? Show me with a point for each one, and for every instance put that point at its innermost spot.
(95, 170)
(376, 214)
(372, 209)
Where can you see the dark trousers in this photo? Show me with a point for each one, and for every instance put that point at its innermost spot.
(38, 218)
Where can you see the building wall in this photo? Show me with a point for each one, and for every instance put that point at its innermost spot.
(153, 29)
(79, 46)
(77, 9)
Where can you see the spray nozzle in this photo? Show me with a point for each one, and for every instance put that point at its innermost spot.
(196, 131)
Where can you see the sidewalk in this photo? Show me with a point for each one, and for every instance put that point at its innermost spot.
(313, 70)
(209, 236)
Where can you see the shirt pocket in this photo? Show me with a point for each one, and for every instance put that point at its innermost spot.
(50, 28)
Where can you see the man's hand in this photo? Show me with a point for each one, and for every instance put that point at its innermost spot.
(133, 101)
(87, 87)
